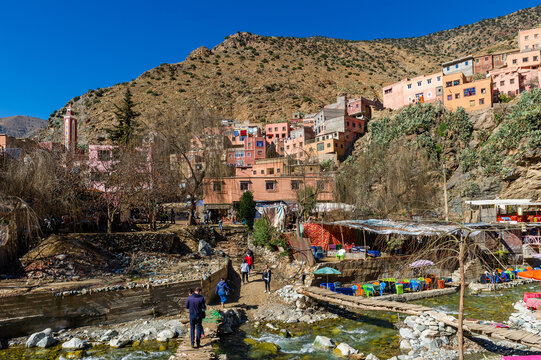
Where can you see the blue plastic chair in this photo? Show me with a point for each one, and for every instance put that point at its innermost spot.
(415, 286)
(337, 284)
(382, 286)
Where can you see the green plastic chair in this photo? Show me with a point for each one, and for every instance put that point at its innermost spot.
(368, 290)
(399, 289)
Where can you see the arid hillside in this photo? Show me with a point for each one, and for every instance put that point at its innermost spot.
(259, 78)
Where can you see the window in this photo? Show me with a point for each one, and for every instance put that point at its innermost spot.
(388, 91)
(472, 103)
(514, 61)
(476, 60)
(535, 58)
(230, 155)
(535, 36)
(481, 101)
(269, 129)
(409, 86)
(341, 146)
(104, 155)
(526, 37)
(277, 170)
(429, 94)
(511, 81)
(244, 185)
(347, 123)
(217, 186)
(457, 96)
(320, 146)
(502, 83)
(254, 172)
(469, 91)
(525, 59)
(269, 185)
(328, 144)
(259, 152)
(276, 129)
(526, 47)
(466, 63)
(262, 172)
(295, 184)
(456, 66)
(448, 68)
(483, 91)
(270, 171)
(283, 128)
(249, 144)
(259, 144)
(438, 78)
(429, 81)
(419, 83)
(248, 154)
(449, 97)
(448, 84)
(497, 58)
(239, 154)
(486, 58)
(456, 82)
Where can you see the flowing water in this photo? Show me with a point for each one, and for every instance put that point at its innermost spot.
(372, 332)
(147, 351)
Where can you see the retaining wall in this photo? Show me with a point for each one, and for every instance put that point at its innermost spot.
(24, 314)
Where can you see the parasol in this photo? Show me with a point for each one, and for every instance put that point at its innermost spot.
(327, 271)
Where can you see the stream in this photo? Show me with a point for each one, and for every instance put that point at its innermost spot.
(371, 332)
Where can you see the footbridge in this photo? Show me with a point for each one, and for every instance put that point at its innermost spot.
(325, 296)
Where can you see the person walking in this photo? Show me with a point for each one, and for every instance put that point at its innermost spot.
(267, 274)
(249, 260)
(172, 216)
(221, 289)
(196, 305)
(244, 270)
(220, 224)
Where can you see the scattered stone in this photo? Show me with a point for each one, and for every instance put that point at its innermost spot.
(324, 342)
(165, 335)
(371, 357)
(204, 248)
(34, 339)
(74, 344)
(284, 333)
(346, 350)
(46, 342)
(118, 342)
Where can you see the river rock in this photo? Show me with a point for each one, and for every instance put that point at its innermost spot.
(74, 344)
(118, 342)
(165, 335)
(405, 344)
(284, 333)
(204, 248)
(34, 339)
(371, 357)
(411, 321)
(324, 342)
(46, 342)
(346, 350)
(406, 333)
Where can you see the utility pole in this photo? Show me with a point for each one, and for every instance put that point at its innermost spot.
(445, 193)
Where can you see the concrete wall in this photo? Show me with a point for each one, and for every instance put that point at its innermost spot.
(24, 314)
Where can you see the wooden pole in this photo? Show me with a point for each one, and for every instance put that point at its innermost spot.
(445, 194)
(461, 303)
(364, 241)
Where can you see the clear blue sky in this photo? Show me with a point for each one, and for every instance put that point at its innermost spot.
(54, 50)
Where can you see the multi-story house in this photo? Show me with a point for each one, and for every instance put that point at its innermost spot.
(362, 107)
(421, 89)
(277, 131)
(470, 95)
(529, 39)
(294, 145)
(484, 63)
(254, 147)
(327, 147)
(525, 59)
(462, 65)
(513, 80)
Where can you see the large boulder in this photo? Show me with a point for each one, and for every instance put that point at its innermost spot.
(407, 333)
(324, 342)
(118, 342)
(346, 350)
(165, 335)
(204, 248)
(74, 344)
(46, 342)
(34, 339)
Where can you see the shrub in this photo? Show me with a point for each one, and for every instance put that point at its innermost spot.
(264, 232)
(246, 209)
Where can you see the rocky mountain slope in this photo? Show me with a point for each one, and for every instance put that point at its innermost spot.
(21, 125)
(260, 78)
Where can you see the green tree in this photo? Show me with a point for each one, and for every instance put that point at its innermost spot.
(247, 209)
(124, 132)
(264, 233)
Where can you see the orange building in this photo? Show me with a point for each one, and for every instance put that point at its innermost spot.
(470, 95)
(527, 59)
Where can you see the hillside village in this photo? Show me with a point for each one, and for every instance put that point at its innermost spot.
(394, 194)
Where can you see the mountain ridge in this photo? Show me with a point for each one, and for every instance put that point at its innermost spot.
(21, 125)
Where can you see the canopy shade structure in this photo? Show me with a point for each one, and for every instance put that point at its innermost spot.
(327, 271)
(530, 274)
(421, 263)
(522, 357)
(502, 202)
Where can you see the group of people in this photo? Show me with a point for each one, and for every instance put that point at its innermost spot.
(162, 215)
(196, 302)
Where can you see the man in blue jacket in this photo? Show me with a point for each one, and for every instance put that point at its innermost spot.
(196, 305)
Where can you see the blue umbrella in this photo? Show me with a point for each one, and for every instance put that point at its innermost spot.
(327, 271)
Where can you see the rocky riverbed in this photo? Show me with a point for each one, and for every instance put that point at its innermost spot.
(525, 319)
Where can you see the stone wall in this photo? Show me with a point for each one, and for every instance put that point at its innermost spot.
(24, 314)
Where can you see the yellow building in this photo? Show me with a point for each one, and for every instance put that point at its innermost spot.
(471, 95)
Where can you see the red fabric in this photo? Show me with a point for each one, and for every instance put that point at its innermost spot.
(533, 303)
(243, 133)
(325, 235)
(249, 260)
(529, 295)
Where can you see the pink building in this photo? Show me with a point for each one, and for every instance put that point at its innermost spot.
(294, 145)
(254, 148)
(238, 132)
(265, 188)
(362, 107)
(529, 39)
(277, 131)
(421, 89)
(513, 80)
(525, 59)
